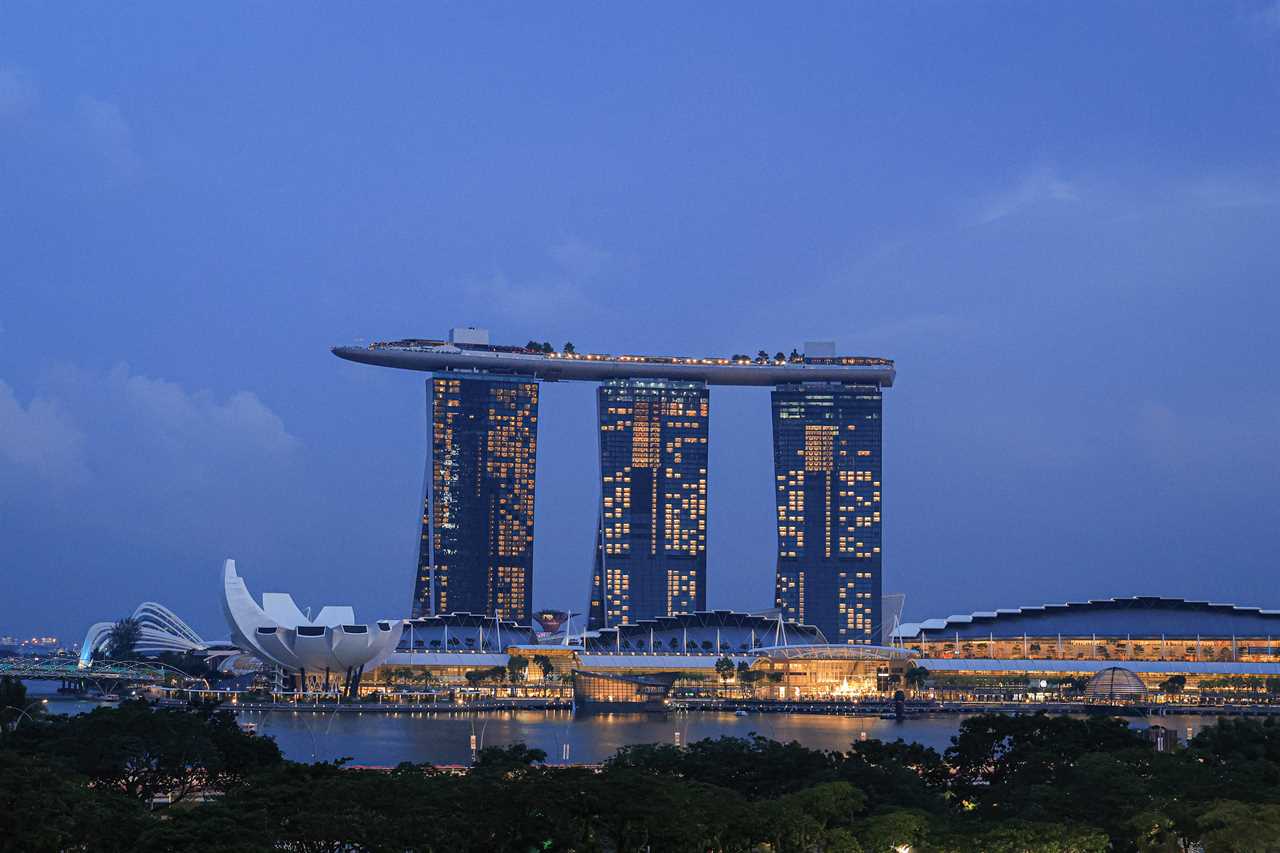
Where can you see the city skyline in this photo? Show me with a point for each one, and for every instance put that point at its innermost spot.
(653, 412)
(1060, 225)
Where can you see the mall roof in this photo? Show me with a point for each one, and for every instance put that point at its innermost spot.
(433, 355)
(1057, 667)
(1148, 616)
(702, 626)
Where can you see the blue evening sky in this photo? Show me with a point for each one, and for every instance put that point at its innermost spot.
(1063, 221)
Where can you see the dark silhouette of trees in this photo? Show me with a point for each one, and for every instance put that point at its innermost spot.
(517, 667)
(15, 705)
(122, 641)
(101, 781)
(725, 668)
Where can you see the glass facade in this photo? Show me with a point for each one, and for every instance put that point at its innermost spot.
(651, 537)
(609, 691)
(1139, 647)
(827, 467)
(476, 548)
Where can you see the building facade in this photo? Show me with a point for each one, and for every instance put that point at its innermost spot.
(476, 547)
(1141, 628)
(651, 537)
(827, 491)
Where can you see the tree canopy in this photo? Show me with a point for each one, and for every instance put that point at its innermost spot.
(1008, 784)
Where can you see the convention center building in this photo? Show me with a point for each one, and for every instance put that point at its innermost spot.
(1154, 637)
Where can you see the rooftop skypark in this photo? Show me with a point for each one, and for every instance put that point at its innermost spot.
(469, 349)
(653, 414)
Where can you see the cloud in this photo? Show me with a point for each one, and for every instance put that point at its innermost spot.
(1037, 187)
(1267, 19)
(178, 418)
(578, 258)
(125, 432)
(530, 299)
(1240, 435)
(40, 439)
(17, 93)
(1227, 191)
(107, 133)
(115, 486)
(549, 295)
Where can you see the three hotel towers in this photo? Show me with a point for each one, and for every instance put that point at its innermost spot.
(653, 413)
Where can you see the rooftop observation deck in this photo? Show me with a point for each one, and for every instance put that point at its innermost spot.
(435, 355)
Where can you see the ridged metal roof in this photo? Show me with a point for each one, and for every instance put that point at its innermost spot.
(1139, 614)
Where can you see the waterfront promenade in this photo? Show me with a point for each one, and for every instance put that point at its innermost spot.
(884, 709)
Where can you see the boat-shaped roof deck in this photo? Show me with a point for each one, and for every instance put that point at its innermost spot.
(435, 355)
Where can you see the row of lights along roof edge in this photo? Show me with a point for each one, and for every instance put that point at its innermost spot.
(421, 344)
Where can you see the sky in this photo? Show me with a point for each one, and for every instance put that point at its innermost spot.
(1062, 220)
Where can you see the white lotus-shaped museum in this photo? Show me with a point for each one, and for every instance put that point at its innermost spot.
(279, 633)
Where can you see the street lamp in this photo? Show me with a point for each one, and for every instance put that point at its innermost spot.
(22, 712)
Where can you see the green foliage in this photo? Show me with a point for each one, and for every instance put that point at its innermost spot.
(15, 707)
(143, 753)
(1032, 784)
(1017, 836)
(916, 677)
(1241, 827)
(122, 641)
(494, 674)
(894, 830)
(725, 668)
(45, 806)
(507, 759)
(1174, 684)
(517, 668)
(544, 664)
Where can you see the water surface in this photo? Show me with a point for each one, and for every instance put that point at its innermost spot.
(388, 739)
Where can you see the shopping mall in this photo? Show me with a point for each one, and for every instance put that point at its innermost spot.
(1151, 636)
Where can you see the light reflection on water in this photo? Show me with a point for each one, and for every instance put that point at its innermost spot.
(60, 703)
(388, 739)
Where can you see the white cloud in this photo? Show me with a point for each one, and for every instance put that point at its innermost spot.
(1226, 191)
(131, 433)
(543, 297)
(108, 133)
(17, 93)
(1037, 187)
(537, 300)
(39, 438)
(180, 418)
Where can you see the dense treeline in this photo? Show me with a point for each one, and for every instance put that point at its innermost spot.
(102, 781)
